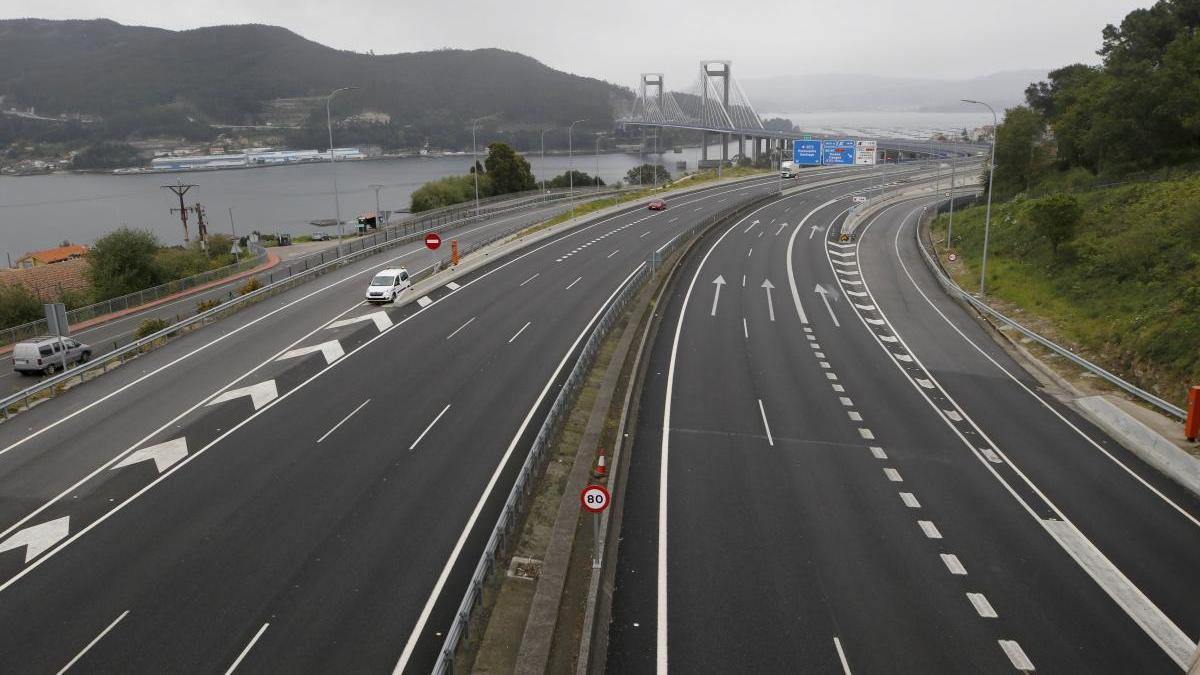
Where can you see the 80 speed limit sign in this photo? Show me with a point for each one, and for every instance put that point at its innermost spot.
(594, 498)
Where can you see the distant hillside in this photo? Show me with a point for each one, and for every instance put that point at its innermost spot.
(226, 74)
(803, 93)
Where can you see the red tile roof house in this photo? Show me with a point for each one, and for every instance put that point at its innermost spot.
(52, 255)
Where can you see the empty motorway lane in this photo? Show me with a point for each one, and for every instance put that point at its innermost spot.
(873, 491)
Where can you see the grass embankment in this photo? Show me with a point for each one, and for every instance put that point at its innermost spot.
(1123, 288)
(683, 182)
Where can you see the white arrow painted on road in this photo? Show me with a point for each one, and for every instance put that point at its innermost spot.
(163, 454)
(332, 351)
(770, 305)
(260, 394)
(381, 319)
(813, 231)
(719, 282)
(38, 538)
(752, 226)
(825, 296)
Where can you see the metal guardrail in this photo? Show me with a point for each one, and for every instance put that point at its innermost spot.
(293, 275)
(514, 505)
(947, 283)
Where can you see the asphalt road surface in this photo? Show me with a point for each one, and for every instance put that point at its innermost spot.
(854, 477)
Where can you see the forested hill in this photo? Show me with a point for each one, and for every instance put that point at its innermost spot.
(225, 74)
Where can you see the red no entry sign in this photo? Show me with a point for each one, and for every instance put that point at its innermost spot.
(432, 240)
(594, 498)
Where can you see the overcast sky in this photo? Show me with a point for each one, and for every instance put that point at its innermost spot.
(617, 39)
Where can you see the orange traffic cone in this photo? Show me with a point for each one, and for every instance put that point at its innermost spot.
(600, 471)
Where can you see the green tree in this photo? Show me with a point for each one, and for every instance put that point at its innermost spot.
(123, 261)
(447, 191)
(645, 175)
(576, 177)
(1017, 150)
(18, 305)
(1055, 218)
(508, 170)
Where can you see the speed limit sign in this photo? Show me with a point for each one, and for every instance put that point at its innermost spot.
(594, 498)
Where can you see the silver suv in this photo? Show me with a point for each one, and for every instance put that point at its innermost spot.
(47, 354)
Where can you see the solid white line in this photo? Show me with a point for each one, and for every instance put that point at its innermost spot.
(613, 253)
(246, 651)
(514, 337)
(435, 421)
(460, 328)
(841, 656)
(910, 500)
(929, 529)
(335, 427)
(745, 328)
(1016, 655)
(980, 602)
(953, 564)
(93, 642)
(572, 284)
(763, 412)
(531, 278)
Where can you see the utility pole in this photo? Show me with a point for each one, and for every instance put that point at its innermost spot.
(376, 188)
(180, 190)
(201, 226)
(233, 230)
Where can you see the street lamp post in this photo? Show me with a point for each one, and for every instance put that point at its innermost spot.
(655, 165)
(950, 227)
(571, 162)
(544, 159)
(598, 137)
(475, 166)
(987, 218)
(376, 188)
(337, 206)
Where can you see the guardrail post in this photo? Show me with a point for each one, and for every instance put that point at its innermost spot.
(1192, 426)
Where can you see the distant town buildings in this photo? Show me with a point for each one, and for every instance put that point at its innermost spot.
(253, 157)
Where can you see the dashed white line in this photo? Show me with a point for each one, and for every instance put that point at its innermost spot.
(953, 564)
(825, 364)
(246, 651)
(893, 475)
(982, 606)
(743, 281)
(1016, 656)
(673, 220)
(460, 328)
(866, 433)
(572, 283)
(93, 642)
(929, 529)
(531, 278)
(925, 384)
(819, 355)
(435, 421)
(991, 455)
(831, 376)
(879, 453)
(514, 337)
(613, 253)
(910, 500)
(763, 412)
(845, 400)
(854, 415)
(751, 251)
(842, 656)
(903, 357)
(645, 234)
(745, 328)
(839, 388)
(335, 427)
(953, 415)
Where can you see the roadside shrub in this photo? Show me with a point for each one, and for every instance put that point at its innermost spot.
(149, 327)
(205, 305)
(252, 284)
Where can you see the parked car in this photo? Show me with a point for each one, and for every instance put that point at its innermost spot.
(657, 205)
(320, 236)
(387, 285)
(46, 354)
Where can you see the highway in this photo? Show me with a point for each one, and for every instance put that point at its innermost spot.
(845, 474)
(305, 486)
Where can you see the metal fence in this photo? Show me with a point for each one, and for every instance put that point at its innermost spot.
(518, 497)
(954, 289)
(425, 221)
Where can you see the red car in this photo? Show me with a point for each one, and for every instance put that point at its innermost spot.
(658, 205)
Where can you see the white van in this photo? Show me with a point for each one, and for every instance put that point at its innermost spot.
(46, 354)
(387, 285)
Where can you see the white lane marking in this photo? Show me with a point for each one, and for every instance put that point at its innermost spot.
(335, 427)
(718, 282)
(842, 245)
(879, 453)
(819, 355)
(664, 464)
(752, 226)
(699, 209)
(910, 500)
(991, 455)
(953, 415)
(164, 454)
(831, 376)
(845, 400)
(843, 263)
(381, 319)
(874, 322)
(460, 328)
(246, 651)
(814, 345)
(763, 412)
(852, 282)
(838, 387)
(893, 475)
(760, 233)
(745, 328)
(531, 278)
(1161, 629)
(854, 415)
(453, 286)
(866, 433)
(953, 564)
(613, 253)
(808, 329)
(929, 529)
(841, 656)
(980, 602)
(331, 349)
(781, 229)
(844, 254)
(791, 268)
(1016, 656)
(824, 364)
(768, 286)
(514, 337)
(743, 281)
(889, 338)
(903, 357)
(260, 394)
(435, 421)
(38, 538)
(424, 301)
(645, 234)
(572, 283)
(750, 252)
(820, 290)
(925, 384)
(849, 273)
(419, 628)
(673, 220)
(93, 642)
(865, 308)
(857, 294)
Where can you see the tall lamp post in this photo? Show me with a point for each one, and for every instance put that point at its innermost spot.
(598, 137)
(544, 158)
(571, 162)
(987, 218)
(475, 166)
(657, 159)
(337, 206)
